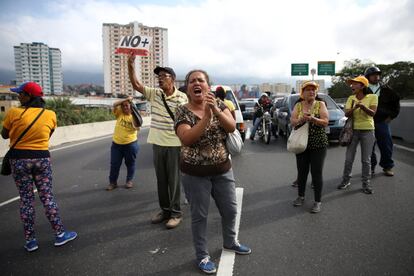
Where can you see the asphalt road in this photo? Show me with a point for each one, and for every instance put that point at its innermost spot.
(355, 234)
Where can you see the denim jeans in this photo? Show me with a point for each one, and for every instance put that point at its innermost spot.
(366, 138)
(385, 145)
(256, 124)
(118, 152)
(198, 191)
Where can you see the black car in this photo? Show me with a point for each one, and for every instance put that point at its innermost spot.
(247, 108)
(337, 117)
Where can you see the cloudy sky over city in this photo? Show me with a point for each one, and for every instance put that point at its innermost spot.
(228, 38)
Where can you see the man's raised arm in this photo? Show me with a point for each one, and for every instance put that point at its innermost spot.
(132, 76)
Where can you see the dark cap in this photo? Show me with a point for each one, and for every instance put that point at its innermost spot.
(169, 70)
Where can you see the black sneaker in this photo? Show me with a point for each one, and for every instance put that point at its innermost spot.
(344, 185)
(366, 189)
(298, 201)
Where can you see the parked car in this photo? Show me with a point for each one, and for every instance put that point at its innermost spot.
(337, 117)
(247, 107)
(239, 116)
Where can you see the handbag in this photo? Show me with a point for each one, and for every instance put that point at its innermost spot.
(137, 116)
(234, 142)
(5, 165)
(298, 139)
(345, 136)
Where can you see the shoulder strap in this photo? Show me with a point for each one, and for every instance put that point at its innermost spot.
(27, 129)
(167, 107)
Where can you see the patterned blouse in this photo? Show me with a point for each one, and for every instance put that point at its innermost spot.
(317, 138)
(209, 155)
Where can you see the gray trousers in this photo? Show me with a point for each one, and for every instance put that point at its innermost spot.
(167, 170)
(366, 138)
(198, 191)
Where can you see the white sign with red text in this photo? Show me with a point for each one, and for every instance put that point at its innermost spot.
(136, 44)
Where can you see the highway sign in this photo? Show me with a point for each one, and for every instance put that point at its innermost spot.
(300, 69)
(326, 68)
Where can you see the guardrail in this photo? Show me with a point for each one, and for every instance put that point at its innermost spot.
(67, 134)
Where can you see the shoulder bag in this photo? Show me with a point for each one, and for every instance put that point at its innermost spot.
(298, 139)
(345, 136)
(5, 165)
(234, 142)
(136, 115)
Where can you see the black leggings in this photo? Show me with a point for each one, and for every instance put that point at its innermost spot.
(313, 159)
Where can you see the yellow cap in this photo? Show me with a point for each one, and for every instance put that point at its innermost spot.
(360, 79)
(308, 83)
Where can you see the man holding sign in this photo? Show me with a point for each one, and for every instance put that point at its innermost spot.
(166, 145)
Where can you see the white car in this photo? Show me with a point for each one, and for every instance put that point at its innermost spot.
(239, 117)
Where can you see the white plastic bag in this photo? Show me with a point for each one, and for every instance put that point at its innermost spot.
(298, 139)
(234, 142)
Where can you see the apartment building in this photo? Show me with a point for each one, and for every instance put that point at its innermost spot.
(39, 63)
(116, 80)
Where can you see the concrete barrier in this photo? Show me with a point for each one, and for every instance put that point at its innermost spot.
(75, 133)
(403, 126)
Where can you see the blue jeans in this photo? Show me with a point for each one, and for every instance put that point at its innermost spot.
(256, 124)
(118, 152)
(385, 145)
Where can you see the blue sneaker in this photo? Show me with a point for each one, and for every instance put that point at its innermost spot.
(65, 237)
(207, 266)
(239, 249)
(31, 245)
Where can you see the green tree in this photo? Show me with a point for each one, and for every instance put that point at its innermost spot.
(399, 75)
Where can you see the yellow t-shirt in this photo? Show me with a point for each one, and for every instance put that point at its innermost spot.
(124, 132)
(37, 137)
(362, 120)
(229, 105)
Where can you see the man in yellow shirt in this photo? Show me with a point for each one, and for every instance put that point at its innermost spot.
(124, 143)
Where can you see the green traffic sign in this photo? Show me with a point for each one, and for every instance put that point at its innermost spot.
(300, 69)
(326, 68)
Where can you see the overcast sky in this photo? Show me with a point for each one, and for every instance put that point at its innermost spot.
(228, 38)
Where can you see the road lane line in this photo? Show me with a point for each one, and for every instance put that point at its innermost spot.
(12, 199)
(403, 148)
(64, 147)
(226, 264)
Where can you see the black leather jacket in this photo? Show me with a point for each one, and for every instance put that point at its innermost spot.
(388, 104)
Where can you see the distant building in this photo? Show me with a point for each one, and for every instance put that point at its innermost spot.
(275, 88)
(115, 65)
(321, 83)
(7, 98)
(39, 63)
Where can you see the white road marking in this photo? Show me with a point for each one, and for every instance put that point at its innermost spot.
(64, 147)
(403, 148)
(226, 264)
(12, 199)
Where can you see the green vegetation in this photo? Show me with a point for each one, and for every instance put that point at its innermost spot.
(69, 114)
(399, 75)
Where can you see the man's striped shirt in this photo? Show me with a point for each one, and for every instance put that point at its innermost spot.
(162, 131)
